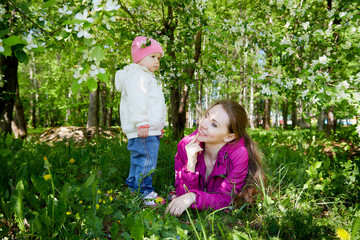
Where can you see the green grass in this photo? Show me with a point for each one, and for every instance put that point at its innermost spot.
(309, 196)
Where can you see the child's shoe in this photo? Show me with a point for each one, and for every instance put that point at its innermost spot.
(152, 199)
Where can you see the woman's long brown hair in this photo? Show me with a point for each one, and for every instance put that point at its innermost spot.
(255, 179)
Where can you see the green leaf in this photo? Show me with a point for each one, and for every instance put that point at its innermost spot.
(355, 227)
(21, 55)
(317, 165)
(89, 181)
(138, 230)
(17, 205)
(38, 49)
(92, 84)
(41, 185)
(110, 42)
(98, 54)
(49, 3)
(7, 51)
(75, 86)
(8, 140)
(104, 77)
(3, 33)
(13, 40)
(88, 41)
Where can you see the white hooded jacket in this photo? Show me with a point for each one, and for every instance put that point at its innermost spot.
(142, 100)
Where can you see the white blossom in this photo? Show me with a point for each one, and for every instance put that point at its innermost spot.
(304, 93)
(83, 33)
(64, 11)
(95, 70)
(312, 78)
(84, 16)
(289, 84)
(319, 31)
(30, 42)
(96, 4)
(342, 14)
(1, 46)
(299, 81)
(323, 60)
(343, 85)
(328, 31)
(2, 12)
(290, 51)
(285, 41)
(264, 75)
(315, 100)
(287, 25)
(347, 45)
(77, 75)
(358, 129)
(305, 25)
(265, 90)
(111, 5)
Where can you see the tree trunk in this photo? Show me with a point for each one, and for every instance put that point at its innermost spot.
(299, 113)
(8, 83)
(110, 112)
(179, 91)
(104, 110)
(93, 113)
(266, 117)
(251, 104)
(320, 120)
(293, 113)
(285, 112)
(331, 122)
(19, 122)
(34, 95)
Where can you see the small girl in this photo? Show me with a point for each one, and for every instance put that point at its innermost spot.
(142, 115)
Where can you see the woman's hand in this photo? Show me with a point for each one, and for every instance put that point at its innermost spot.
(192, 150)
(179, 204)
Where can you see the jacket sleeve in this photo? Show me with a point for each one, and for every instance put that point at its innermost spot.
(138, 88)
(230, 185)
(185, 180)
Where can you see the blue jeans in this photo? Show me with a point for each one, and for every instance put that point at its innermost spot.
(143, 158)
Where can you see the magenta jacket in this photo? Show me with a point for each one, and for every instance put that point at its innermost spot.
(225, 181)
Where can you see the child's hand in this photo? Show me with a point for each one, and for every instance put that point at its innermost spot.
(143, 132)
(192, 150)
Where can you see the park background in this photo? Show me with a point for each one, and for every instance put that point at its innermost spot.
(293, 65)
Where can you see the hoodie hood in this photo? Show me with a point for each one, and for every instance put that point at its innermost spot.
(123, 75)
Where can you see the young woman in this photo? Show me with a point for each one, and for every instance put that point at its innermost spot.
(214, 163)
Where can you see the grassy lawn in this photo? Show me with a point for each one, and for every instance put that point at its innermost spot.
(67, 190)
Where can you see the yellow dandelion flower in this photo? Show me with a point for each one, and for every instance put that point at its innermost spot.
(342, 234)
(80, 201)
(45, 158)
(100, 200)
(99, 191)
(118, 221)
(68, 213)
(47, 177)
(97, 206)
(72, 160)
(104, 201)
(110, 198)
(159, 200)
(110, 191)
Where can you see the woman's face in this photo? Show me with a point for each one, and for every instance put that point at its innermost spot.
(214, 126)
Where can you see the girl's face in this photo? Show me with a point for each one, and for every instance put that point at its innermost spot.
(214, 127)
(152, 61)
